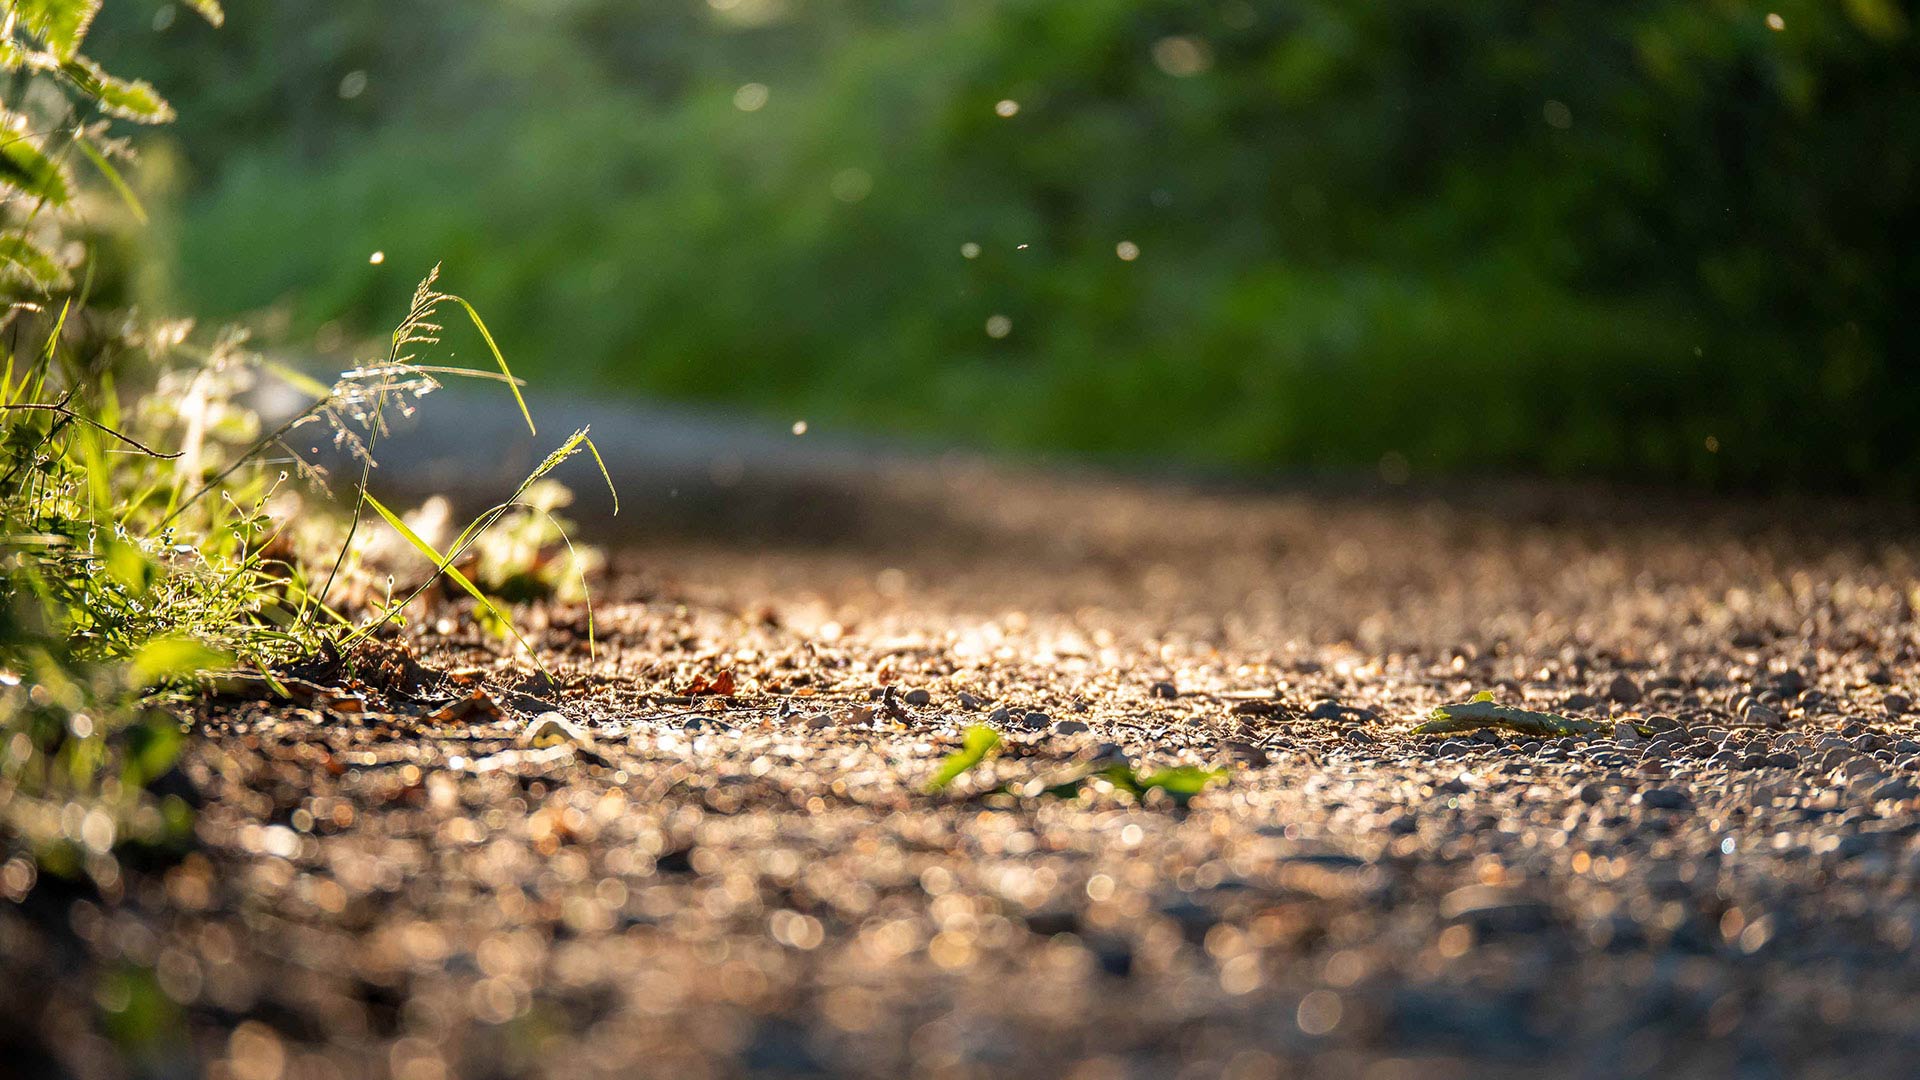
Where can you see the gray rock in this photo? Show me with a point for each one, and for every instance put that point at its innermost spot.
(1896, 788)
(918, 697)
(1070, 727)
(1666, 798)
(1623, 690)
(1490, 909)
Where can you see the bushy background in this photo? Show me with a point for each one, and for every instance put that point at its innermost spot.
(1654, 239)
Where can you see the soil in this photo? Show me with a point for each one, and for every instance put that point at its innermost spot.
(732, 867)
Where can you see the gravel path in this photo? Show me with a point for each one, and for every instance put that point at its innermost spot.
(757, 884)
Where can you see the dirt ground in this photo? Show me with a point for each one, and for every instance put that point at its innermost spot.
(756, 883)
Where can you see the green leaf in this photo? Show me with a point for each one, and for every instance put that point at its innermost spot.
(512, 382)
(62, 24)
(163, 659)
(128, 565)
(24, 166)
(209, 10)
(153, 745)
(113, 178)
(129, 99)
(1182, 782)
(604, 474)
(21, 258)
(976, 743)
(445, 566)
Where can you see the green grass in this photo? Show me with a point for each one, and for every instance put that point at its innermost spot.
(153, 531)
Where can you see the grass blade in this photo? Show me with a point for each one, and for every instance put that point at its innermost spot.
(113, 177)
(513, 383)
(445, 566)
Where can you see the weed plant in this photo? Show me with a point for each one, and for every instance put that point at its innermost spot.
(147, 513)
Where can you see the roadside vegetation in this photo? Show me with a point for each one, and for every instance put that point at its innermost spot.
(155, 529)
(1661, 240)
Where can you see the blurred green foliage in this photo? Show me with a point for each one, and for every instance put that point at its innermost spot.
(1655, 238)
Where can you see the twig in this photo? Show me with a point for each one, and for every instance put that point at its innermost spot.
(60, 409)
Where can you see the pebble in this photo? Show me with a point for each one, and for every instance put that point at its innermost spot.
(968, 701)
(1624, 690)
(554, 729)
(1896, 788)
(1068, 727)
(1325, 709)
(1166, 691)
(1491, 909)
(1666, 798)
(1034, 721)
(918, 697)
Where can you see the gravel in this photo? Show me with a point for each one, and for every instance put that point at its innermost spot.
(761, 886)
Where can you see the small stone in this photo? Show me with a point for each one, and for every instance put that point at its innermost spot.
(1165, 691)
(999, 717)
(918, 697)
(1895, 704)
(1071, 727)
(1034, 721)
(1491, 909)
(1657, 750)
(1626, 734)
(1666, 798)
(968, 701)
(1326, 709)
(1242, 751)
(819, 720)
(554, 729)
(1359, 737)
(1761, 715)
(1896, 788)
(1623, 690)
